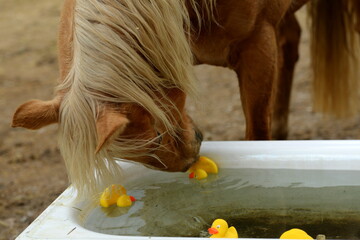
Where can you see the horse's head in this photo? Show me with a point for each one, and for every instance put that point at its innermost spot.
(130, 125)
(125, 131)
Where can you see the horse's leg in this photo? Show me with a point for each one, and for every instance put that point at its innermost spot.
(255, 62)
(288, 42)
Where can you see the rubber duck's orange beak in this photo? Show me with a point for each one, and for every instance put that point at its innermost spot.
(132, 198)
(213, 231)
(192, 175)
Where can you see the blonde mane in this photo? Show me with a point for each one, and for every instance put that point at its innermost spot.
(124, 51)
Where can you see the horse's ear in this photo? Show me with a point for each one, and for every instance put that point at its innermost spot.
(108, 126)
(36, 114)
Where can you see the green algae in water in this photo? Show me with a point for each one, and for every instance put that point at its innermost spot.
(260, 203)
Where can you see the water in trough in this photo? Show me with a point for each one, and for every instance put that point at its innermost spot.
(260, 203)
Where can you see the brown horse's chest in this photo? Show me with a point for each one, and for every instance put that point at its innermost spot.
(237, 21)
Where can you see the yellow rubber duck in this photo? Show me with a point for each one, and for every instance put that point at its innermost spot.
(220, 229)
(295, 233)
(202, 167)
(125, 201)
(116, 194)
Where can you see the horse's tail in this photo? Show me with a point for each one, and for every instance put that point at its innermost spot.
(334, 50)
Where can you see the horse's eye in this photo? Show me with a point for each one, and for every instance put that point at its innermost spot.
(157, 141)
(158, 137)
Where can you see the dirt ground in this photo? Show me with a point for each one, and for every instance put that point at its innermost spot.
(32, 173)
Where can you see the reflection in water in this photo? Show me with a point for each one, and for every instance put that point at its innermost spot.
(260, 203)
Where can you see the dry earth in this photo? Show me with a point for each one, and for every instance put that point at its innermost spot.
(32, 173)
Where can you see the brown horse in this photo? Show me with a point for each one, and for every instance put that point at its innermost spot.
(126, 68)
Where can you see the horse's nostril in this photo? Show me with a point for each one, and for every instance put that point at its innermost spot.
(199, 135)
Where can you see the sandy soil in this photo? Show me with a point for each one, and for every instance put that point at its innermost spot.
(32, 173)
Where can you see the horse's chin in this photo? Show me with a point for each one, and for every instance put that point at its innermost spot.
(191, 162)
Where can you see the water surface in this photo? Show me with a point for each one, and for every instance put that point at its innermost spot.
(260, 203)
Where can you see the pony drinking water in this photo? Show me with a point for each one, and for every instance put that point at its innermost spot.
(126, 70)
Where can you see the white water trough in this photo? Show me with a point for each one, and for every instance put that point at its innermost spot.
(263, 188)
